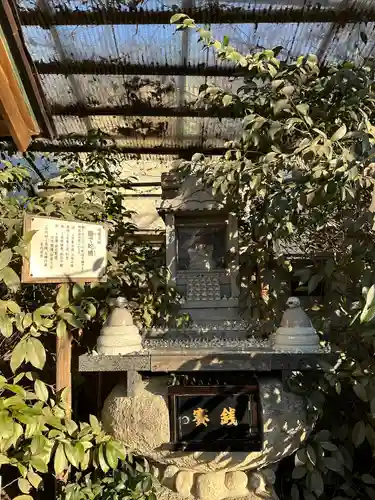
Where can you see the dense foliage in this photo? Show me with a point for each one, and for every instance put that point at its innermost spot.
(38, 436)
(300, 176)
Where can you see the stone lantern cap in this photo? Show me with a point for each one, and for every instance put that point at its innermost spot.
(296, 332)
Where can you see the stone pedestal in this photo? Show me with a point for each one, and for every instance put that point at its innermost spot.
(119, 335)
(141, 422)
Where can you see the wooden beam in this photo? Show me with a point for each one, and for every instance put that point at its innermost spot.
(11, 26)
(109, 67)
(64, 367)
(10, 111)
(13, 108)
(4, 130)
(209, 15)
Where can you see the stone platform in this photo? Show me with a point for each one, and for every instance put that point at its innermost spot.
(205, 359)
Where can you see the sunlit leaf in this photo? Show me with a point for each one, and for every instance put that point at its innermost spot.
(60, 461)
(62, 298)
(10, 278)
(34, 479)
(24, 485)
(6, 326)
(339, 134)
(18, 355)
(35, 352)
(41, 390)
(5, 257)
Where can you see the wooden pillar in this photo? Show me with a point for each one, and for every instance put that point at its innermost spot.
(64, 367)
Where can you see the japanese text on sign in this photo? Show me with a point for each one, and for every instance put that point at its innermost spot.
(227, 417)
(68, 249)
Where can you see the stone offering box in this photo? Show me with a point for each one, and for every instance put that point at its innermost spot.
(207, 404)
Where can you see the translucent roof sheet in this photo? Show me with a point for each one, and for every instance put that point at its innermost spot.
(100, 61)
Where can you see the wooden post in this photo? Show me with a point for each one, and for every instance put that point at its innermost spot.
(64, 368)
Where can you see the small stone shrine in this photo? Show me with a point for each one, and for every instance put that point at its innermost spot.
(206, 405)
(202, 257)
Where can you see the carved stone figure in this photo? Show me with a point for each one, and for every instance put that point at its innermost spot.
(200, 257)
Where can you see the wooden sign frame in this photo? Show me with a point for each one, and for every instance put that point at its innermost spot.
(26, 277)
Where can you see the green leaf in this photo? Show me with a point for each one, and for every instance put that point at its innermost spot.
(71, 454)
(102, 462)
(62, 298)
(311, 455)
(94, 422)
(34, 479)
(111, 455)
(120, 448)
(294, 492)
(18, 355)
(5, 257)
(327, 445)
(71, 319)
(359, 433)
(78, 290)
(227, 99)
(10, 278)
(61, 328)
(314, 282)
(35, 353)
(339, 134)
(332, 464)
(360, 391)
(370, 297)
(13, 307)
(27, 320)
(6, 326)
(24, 485)
(39, 464)
(317, 484)
(299, 472)
(80, 452)
(27, 237)
(177, 17)
(367, 315)
(60, 461)
(45, 310)
(71, 426)
(41, 390)
(280, 105)
(303, 108)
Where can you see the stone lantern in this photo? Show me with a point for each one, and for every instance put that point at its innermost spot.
(119, 335)
(295, 332)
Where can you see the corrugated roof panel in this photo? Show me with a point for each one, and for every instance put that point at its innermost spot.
(40, 44)
(144, 44)
(160, 45)
(346, 43)
(122, 90)
(145, 130)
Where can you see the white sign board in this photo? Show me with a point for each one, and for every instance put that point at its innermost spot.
(62, 251)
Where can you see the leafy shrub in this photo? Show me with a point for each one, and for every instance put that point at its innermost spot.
(300, 177)
(38, 438)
